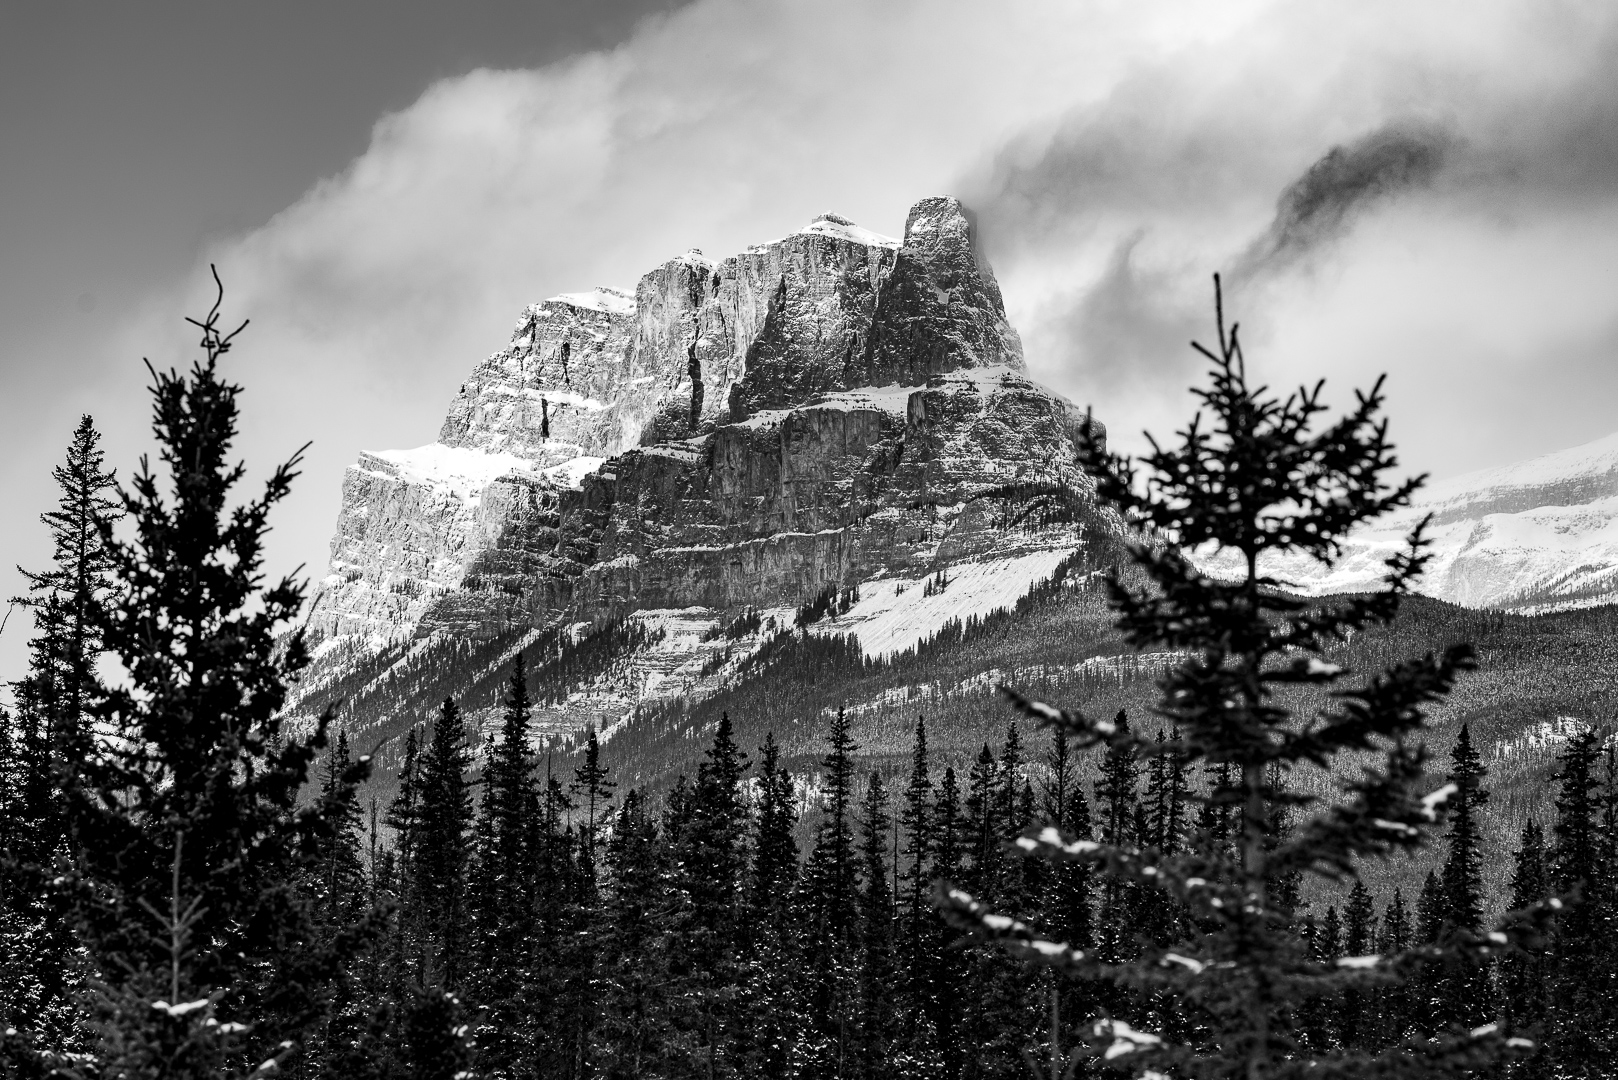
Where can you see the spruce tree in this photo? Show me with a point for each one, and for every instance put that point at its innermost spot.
(876, 914)
(69, 599)
(1462, 879)
(950, 829)
(1526, 976)
(774, 1012)
(775, 851)
(831, 884)
(1252, 478)
(1359, 939)
(1464, 988)
(982, 811)
(1068, 911)
(68, 605)
(634, 1026)
(593, 790)
(509, 878)
(441, 843)
(1395, 1003)
(403, 817)
(339, 887)
(917, 915)
(187, 834)
(1116, 803)
(1582, 1031)
(710, 860)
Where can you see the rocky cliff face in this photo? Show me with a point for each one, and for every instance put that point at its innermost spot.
(808, 414)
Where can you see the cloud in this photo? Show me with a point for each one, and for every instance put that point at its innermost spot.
(1320, 206)
(1320, 143)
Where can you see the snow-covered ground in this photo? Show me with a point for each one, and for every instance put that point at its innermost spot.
(894, 614)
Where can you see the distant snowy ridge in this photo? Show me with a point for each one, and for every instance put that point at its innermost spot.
(1538, 535)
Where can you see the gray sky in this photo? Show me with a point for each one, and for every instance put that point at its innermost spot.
(1429, 190)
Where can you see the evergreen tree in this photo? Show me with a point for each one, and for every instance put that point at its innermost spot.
(711, 861)
(1464, 990)
(1116, 802)
(68, 602)
(775, 1011)
(186, 831)
(1068, 905)
(1258, 482)
(877, 968)
(633, 1026)
(339, 886)
(1395, 1003)
(1582, 1032)
(775, 851)
(1525, 976)
(593, 790)
(831, 881)
(1462, 878)
(403, 817)
(982, 787)
(1215, 816)
(441, 840)
(69, 599)
(917, 929)
(510, 884)
(948, 973)
(1010, 780)
(1359, 939)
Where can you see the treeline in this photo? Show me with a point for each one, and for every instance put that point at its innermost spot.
(593, 932)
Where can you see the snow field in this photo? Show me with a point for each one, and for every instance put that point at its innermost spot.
(894, 614)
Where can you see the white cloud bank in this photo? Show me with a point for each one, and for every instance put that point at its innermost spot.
(1117, 153)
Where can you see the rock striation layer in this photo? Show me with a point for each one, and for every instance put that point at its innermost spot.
(812, 412)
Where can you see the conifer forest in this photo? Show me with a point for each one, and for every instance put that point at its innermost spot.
(1264, 866)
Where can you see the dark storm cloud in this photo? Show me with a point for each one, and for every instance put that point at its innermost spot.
(1321, 205)
(1131, 323)
(1181, 172)
(1134, 322)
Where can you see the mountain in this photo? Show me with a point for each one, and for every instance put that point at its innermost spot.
(808, 477)
(644, 487)
(1536, 536)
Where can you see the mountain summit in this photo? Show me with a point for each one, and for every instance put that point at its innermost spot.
(815, 414)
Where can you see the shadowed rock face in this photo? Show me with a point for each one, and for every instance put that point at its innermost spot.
(744, 432)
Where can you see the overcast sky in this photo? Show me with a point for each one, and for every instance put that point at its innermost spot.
(1429, 190)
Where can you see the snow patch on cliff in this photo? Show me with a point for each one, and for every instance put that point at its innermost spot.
(842, 229)
(602, 298)
(465, 471)
(571, 474)
(892, 398)
(894, 614)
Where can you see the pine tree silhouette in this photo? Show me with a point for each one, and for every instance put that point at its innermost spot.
(40, 754)
(1252, 479)
(441, 843)
(876, 914)
(186, 829)
(1465, 992)
(831, 885)
(1582, 1035)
